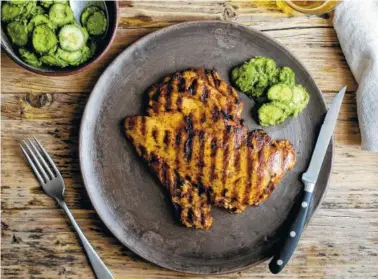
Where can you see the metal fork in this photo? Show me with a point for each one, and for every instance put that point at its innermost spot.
(52, 183)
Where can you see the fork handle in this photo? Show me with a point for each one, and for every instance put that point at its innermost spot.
(99, 268)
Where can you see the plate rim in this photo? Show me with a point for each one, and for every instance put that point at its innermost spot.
(90, 103)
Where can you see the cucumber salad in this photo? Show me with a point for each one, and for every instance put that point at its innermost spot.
(274, 89)
(45, 31)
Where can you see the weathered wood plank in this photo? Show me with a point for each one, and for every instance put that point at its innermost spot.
(44, 240)
(263, 15)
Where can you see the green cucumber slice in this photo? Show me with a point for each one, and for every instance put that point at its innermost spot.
(71, 37)
(18, 33)
(38, 10)
(287, 108)
(70, 57)
(86, 35)
(28, 9)
(39, 20)
(300, 99)
(269, 114)
(53, 60)
(29, 57)
(96, 23)
(87, 13)
(10, 12)
(280, 92)
(19, 2)
(44, 38)
(61, 14)
(61, 1)
(46, 3)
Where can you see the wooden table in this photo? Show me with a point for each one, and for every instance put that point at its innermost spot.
(37, 241)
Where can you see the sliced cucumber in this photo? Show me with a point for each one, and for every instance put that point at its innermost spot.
(61, 14)
(86, 35)
(44, 38)
(39, 20)
(29, 57)
(28, 9)
(269, 114)
(18, 33)
(53, 50)
(88, 12)
(19, 2)
(54, 60)
(38, 10)
(286, 107)
(10, 12)
(46, 3)
(300, 99)
(92, 47)
(71, 37)
(71, 57)
(86, 54)
(280, 92)
(96, 23)
(61, 1)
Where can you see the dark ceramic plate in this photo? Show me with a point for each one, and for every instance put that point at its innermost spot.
(129, 199)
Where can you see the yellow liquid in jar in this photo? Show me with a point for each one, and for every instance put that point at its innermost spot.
(309, 4)
(307, 7)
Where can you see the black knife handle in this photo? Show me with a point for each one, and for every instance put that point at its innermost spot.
(291, 240)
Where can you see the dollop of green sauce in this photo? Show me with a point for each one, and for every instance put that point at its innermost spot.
(255, 76)
(285, 99)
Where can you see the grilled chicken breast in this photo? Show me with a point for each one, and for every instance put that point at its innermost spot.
(195, 141)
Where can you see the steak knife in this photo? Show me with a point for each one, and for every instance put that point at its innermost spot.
(309, 178)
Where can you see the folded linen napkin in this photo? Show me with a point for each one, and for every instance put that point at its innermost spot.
(356, 24)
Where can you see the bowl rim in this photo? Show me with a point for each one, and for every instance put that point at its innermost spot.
(75, 70)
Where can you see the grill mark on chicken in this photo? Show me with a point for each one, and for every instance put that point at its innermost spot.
(259, 174)
(182, 84)
(236, 166)
(225, 152)
(201, 163)
(179, 103)
(213, 153)
(166, 138)
(189, 142)
(250, 170)
(168, 104)
(143, 126)
(205, 94)
(203, 118)
(155, 134)
(193, 87)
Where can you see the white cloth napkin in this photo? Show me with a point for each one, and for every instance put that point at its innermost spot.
(356, 24)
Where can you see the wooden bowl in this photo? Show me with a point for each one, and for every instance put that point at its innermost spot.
(103, 46)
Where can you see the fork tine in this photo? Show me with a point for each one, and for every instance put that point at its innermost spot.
(35, 170)
(35, 159)
(47, 156)
(41, 159)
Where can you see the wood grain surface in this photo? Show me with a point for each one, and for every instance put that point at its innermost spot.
(37, 241)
